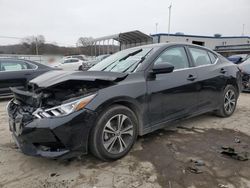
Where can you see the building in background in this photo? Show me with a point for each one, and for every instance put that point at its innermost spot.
(224, 45)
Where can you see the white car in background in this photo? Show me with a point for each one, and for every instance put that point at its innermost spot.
(69, 64)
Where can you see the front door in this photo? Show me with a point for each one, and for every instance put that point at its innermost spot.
(172, 95)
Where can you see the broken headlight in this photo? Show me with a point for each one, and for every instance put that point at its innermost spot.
(64, 109)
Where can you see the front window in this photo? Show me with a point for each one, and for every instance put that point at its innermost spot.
(67, 61)
(125, 61)
(175, 56)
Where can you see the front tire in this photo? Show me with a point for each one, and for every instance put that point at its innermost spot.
(229, 102)
(114, 133)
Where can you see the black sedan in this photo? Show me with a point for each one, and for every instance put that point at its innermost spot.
(17, 73)
(131, 93)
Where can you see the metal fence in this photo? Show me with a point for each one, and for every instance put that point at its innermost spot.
(37, 58)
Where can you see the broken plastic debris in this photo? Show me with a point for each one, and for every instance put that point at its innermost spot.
(199, 163)
(194, 169)
(229, 151)
(237, 140)
(223, 186)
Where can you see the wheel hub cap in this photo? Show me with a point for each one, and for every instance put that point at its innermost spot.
(229, 101)
(117, 134)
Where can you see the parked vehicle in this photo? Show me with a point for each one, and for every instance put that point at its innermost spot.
(238, 58)
(81, 57)
(17, 73)
(69, 64)
(245, 69)
(131, 93)
(88, 64)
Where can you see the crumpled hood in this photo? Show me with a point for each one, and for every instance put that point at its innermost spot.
(55, 77)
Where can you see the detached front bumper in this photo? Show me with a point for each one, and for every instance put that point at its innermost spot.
(57, 137)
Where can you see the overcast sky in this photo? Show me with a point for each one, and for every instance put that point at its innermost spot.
(64, 21)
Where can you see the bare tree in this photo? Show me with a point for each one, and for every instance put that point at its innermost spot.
(84, 45)
(34, 44)
(85, 41)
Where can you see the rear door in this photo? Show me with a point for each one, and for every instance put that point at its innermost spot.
(173, 95)
(211, 77)
(14, 73)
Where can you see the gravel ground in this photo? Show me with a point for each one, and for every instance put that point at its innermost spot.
(165, 158)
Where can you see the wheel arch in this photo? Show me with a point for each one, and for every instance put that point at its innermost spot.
(130, 103)
(233, 82)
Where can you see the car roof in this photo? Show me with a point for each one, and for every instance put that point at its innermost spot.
(170, 44)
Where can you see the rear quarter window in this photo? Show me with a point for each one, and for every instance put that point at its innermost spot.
(213, 57)
(200, 56)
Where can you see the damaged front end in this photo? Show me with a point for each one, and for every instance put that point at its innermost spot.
(52, 121)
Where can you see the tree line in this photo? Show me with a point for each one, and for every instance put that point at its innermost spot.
(33, 45)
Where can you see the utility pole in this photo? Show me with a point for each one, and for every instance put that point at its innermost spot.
(36, 46)
(169, 18)
(156, 28)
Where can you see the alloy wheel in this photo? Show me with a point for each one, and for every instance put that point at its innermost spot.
(117, 134)
(229, 101)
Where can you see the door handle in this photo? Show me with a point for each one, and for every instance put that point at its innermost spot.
(27, 74)
(191, 77)
(223, 71)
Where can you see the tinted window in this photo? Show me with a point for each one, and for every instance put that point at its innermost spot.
(71, 61)
(12, 65)
(74, 60)
(200, 56)
(212, 57)
(67, 61)
(175, 56)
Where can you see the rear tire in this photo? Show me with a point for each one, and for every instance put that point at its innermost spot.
(229, 101)
(114, 133)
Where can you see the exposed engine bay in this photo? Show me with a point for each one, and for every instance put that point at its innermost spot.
(43, 98)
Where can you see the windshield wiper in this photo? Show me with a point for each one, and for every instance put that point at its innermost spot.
(130, 54)
(122, 59)
(136, 65)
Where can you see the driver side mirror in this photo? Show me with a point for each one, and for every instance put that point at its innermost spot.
(161, 68)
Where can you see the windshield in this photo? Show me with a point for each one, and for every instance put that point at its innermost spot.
(123, 61)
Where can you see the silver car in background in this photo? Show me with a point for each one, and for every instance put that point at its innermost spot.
(88, 64)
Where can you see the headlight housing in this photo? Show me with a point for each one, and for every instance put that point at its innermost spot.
(64, 109)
